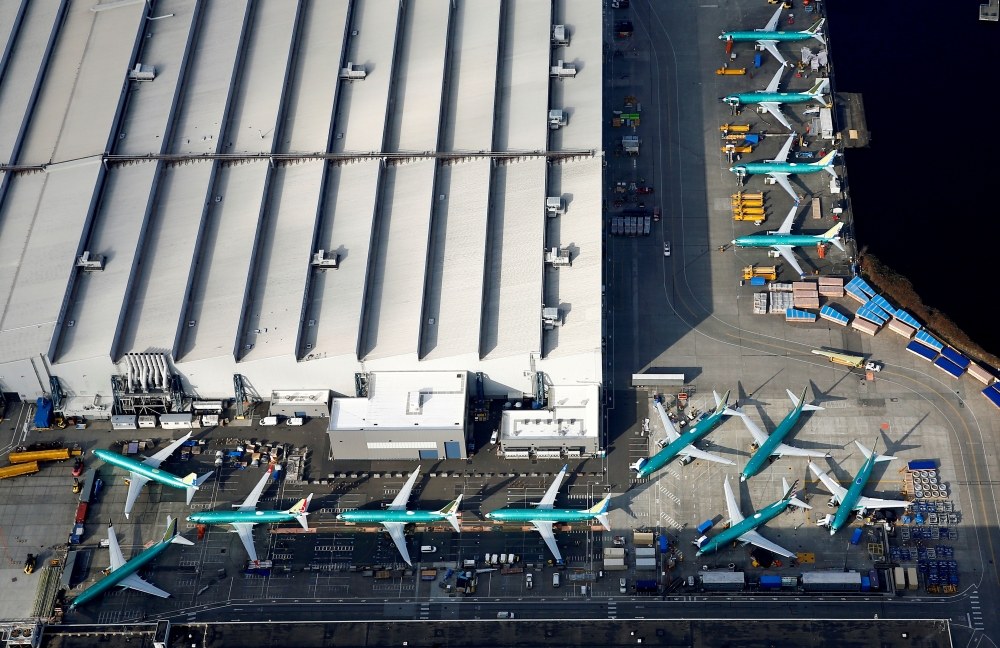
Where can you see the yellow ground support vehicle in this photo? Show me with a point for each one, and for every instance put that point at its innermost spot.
(768, 272)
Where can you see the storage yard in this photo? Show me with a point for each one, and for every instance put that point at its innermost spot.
(685, 315)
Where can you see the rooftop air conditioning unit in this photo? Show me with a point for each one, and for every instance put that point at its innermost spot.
(557, 119)
(554, 206)
(142, 73)
(353, 72)
(560, 35)
(563, 70)
(558, 257)
(551, 318)
(90, 264)
(320, 260)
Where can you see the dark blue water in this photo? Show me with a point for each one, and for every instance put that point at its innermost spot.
(926, 193)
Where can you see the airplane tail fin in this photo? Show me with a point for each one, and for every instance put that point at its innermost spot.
(833, 235)
(819, 89)
(826, 160)
(451, 513)
(790, 494)
(815, 32)
(171, 534)
(868, 453)
(806, 407)
(722, 405)
(600, 511)
(301, 511)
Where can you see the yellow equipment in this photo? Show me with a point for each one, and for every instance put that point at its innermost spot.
(735, 128)
(731, 71)
(730, 148)
(19, 469)
(738, 137)
(748, 196)
(842, 358)
(42, 455)
(768, 272)
(748, 203)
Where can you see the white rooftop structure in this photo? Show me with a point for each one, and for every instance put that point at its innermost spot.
(405, 401)
(208, 183)
(571, 420)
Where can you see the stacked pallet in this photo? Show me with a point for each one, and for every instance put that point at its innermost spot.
(805, 294)
(760, 303)
(831, 286)
(902, 328)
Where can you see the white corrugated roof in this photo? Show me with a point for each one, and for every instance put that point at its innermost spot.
(524, 115)
(420, 80)
(580, 96)
(474, 76)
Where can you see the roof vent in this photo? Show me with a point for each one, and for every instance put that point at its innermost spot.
(563, 70)
(560, 35)
(558, 257)
(320, 260)
(353, 72)
(551, 318)
(142, 73)
(90, 264)
(557, 119)
(554, 206)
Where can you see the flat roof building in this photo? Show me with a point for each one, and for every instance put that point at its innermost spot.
(208, 188)
(569, 425)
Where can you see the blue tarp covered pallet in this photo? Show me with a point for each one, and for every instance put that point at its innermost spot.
(923, 464)
(871, 316)
(925, 338)
(883, 304)
(858, 283)
(43, 414)
(793, 315)
(876, 308)
(906, 318)
(926, 353)
(949, 367)
(832, 314)
(992, 394)
(955, 357)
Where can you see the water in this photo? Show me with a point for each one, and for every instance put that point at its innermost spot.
(926, 193)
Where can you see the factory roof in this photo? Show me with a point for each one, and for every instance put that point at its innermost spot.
(250, 138)
(572, 412)
(404, 400)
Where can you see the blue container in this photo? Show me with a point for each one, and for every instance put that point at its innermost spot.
(873, 579)
(757, 281)
(921, 465)
(770, 582)
(756, 60)
(705, 526)
(663, 544)
(752, 139)
(866, 584)
(856, 537)
(43, 414)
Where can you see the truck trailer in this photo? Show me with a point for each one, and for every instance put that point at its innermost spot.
(19, 469)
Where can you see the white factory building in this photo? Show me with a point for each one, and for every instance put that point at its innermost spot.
(298, 191)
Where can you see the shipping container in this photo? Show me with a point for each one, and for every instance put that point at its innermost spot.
(644, 539)
(614, 564)
(898, 576)
(980, 374)
(722, 580)
(831, 581)
(866, 584)
(856, 536)
(770, 582)
(88, 485)
(705, 526)
(645, 586)
(789, 581)
(428, 574)
(645, 563)
(873, 579)
(663, 544)
(81, 513)
(911, 578)
(614, 552)
(645, 552)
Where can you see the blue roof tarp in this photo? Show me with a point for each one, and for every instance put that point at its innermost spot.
(993, 395)
(859, 284)
(955, 357)
(925, 338)
(883, 304)
(922, 351)
(794, 315)
(43, 414)
(923, 464)
(906, 318)
(948, 366)
(829, 312)
(874, 318)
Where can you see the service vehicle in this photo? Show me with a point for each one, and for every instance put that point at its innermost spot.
(666, 249)
(29, 564)
(505, 615)
(528, 580)
(428, 549)
(495, 436)
(555, 579)
(622, 585)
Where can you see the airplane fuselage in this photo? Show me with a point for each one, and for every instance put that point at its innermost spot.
(850, 502)
(154, 474)
(751, 36)
(769, 97)
(542, 515)
(117, 576)
(791, 168)
(766, 449)
(734, 532)
(241, 517)
(770, 240)
(693, 434)
(405, 517)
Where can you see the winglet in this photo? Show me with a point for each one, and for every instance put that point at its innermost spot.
(450, 512)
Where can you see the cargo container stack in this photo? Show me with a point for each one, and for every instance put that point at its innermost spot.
(806, 294)
(831, 286)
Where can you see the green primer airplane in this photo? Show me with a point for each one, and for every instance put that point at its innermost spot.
(769, 446)
(769, 37)
(544, 515)
(745, 529)
(683, 444)
(852, 500)
(396, 517)
(141, 472)
(783, 240)
(780, 168)
(770, 99)
(246, 516)
(123, 574)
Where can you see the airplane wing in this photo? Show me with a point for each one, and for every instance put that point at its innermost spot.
(786, 450)
(772, 47)
(835, 489)
(545, 530)
(251, 501)
(786, 253)
(162, 455)
(550, 495)
(135, 484)
(395, 530)
(668, 425)
(758, 434)
(772, 24)
(775, 109)
(245, 531)
(134, 582)
(876, 503)
(735, 514)
(773, 85)
(117, 559)
(403, 496)
(691, 451)
(758, 540)
(786, 225)
(782, 155)
(782, 180)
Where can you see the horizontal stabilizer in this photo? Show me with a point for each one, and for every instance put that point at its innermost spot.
(796, 399)
(868, 453)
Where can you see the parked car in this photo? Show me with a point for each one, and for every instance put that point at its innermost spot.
(555, 579)
(505, 615)
(527, 580)
(428, 549)
(873, 366)
(666, 249)
(622, 585)
(645, 190)
(495, 436)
